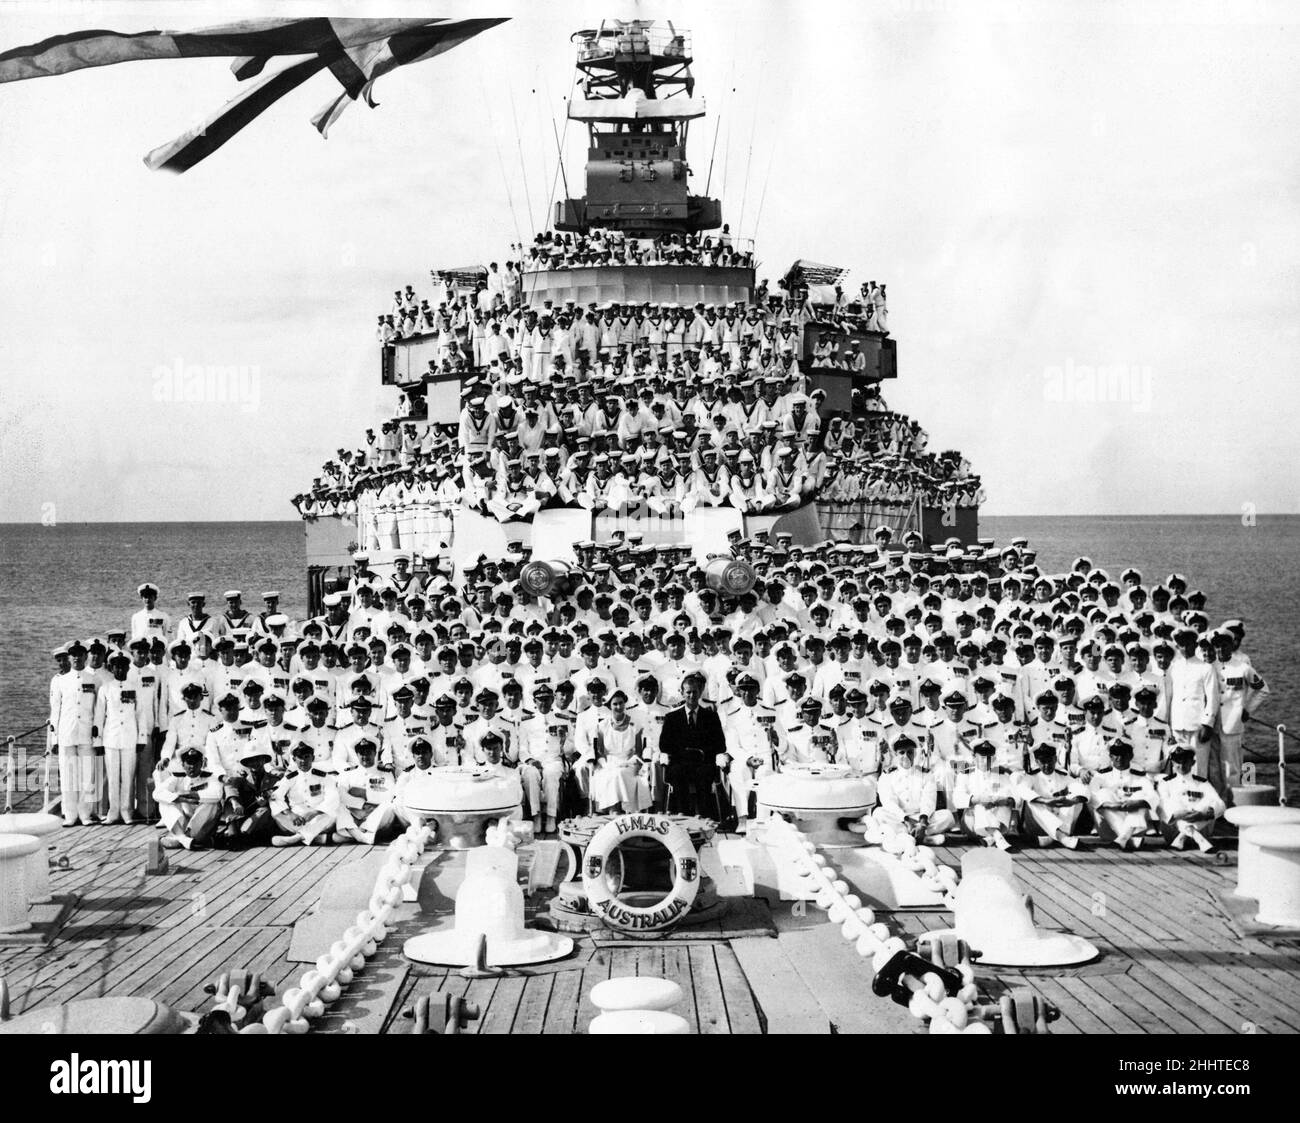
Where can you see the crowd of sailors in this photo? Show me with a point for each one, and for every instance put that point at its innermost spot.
(979, 694)
(624, 406)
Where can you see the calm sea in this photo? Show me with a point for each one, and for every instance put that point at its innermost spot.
(80, 579)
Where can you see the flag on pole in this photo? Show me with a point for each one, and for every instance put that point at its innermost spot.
(355, 51)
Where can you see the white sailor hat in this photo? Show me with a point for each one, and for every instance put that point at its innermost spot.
(196, 596)
(148, 586)
(271, 594)
(332, 599)
(277, 620)
(231, 594)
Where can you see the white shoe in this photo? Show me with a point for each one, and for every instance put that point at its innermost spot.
(1000, 841)
(936, 839)
(1069, 841)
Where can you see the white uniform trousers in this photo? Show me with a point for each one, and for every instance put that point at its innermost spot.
(940, 821)
(982, 821)
(1042, 822)
(119, 775)
(541, 780)
(1114, 825)
(1225, 758)
(77, 782)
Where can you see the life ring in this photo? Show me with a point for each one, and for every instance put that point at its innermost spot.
(686, 873)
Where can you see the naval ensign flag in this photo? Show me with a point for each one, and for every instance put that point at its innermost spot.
(355, 51)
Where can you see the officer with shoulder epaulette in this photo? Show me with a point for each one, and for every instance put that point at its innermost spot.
(1091, 748)
(1052, 800)
(1189, 805)
(361, 727)
(546, 751)
(985, 798)
(812, 740)
(366, 792)
(1045, 725)
(224, 744)
(422, 753)
(861, 734)
(753, 735)
(909, 798)
(306, 802)
(188, 727)
(1150, 736)
(1123, 799)
(189, 801)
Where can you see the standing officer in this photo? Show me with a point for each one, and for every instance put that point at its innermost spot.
(122, 718)
(72, 720)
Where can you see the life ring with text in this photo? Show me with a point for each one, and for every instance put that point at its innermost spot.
(686, 873)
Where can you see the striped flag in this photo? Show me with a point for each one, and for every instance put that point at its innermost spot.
(355, 51)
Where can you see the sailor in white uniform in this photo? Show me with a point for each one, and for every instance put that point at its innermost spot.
(150, 621)
(366, 809)
(306, 802)
(1052, 800)
(908, 798)
(546, 749)
(1123, 799)
(985, 798)
(189, 802)
(752, 735)
(72, 722)
(1189, 805)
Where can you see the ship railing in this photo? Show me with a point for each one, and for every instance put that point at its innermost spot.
(23, 771)
(622, 41)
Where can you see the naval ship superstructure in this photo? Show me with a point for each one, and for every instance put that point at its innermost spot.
(638, 103)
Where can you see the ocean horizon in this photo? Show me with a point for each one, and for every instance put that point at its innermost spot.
(77, 579)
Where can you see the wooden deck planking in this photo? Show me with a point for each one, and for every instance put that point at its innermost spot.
(742, 1009)
(710, 1006)
(1175, 964)
(1175, 960)
(531, 1015)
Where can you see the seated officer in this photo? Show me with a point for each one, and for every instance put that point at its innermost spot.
(546, 750)
(306, 802)
(908, 798)
(421, 749)
(189, 802)
(1189, 805)
(494, 757)
(1053, 801)
(985, 798)
(366, 810)
(246, 810)
(1122, 799)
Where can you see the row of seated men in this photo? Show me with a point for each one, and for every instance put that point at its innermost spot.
(246, 792)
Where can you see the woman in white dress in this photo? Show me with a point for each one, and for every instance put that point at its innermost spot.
(617, 783)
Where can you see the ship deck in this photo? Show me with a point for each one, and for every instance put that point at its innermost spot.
(1172, 962)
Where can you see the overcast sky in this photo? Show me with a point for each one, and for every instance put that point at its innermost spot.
(1046, 188)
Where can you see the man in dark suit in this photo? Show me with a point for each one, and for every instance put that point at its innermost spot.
(692, 739)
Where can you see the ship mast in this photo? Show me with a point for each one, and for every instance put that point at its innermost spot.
(637, 104)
